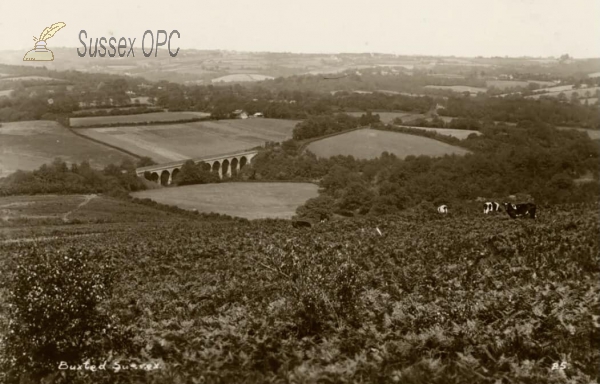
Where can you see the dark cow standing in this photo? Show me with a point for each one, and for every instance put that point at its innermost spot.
(520, 210)
(491, 206)
(301, 224)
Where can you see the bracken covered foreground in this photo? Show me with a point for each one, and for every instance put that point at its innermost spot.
(463, 298)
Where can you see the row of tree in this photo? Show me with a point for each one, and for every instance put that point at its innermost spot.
(316, 126)
(60, 178)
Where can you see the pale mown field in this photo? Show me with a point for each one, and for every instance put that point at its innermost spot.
(370, 143)
(457, 88)
(78, 122)
(29, 78)
(173, 142)
(26, 145)
(249, 200)
(241, 77)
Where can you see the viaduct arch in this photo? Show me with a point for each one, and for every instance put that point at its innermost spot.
(225, 165)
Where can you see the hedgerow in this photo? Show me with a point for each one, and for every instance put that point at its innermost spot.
(55, 300)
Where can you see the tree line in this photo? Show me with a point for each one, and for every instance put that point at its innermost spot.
(60, 178)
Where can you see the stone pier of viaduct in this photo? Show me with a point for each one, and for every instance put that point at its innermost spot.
(225, 165)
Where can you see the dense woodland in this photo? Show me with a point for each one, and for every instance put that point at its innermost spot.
(58, 177)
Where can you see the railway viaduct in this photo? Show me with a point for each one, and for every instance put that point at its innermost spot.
(224, 165)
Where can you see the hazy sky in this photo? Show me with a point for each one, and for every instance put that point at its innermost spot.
(434, 27)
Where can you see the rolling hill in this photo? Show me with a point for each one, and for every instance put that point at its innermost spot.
(269, 200)
(27, 145)
(369, 144)
(172, 142)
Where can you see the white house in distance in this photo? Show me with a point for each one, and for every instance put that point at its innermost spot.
(240, 114)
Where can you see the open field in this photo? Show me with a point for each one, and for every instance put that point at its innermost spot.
(557, 88)
(457, 88)
(458, 133)
(249, 200)
(370, 143)
(506, 84)
(25, 218)
(28, 144)
(37, 207)
(388, 117)
(29, 78)
(241, 77)
(80, 122)
(259, 302)
(5, 92)
(172, 142)
(593, 133)
(581, 92)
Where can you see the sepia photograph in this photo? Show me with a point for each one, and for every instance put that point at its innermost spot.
(313, 191)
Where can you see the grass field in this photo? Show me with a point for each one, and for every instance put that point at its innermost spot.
(28, 144)
(457, 88)
(558, 88)
(241, 77)
(458, 133)
(79, 122)
(5, 92)
(172, 142)
(369, 144)
(567, 92)
(506, 84)
(594, 134)
(388, 117)
(37, 207)
(29, 78)
(25, 218)
(249, 200)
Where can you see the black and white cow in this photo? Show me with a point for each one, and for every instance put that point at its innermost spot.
(491, 206)
(520, 210)
(443, 209)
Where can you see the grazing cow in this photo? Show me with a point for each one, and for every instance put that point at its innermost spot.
(301, 224)
(520, 210)
(443, 209)
(491, 206)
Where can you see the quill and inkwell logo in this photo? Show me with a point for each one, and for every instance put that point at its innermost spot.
(40, 52)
